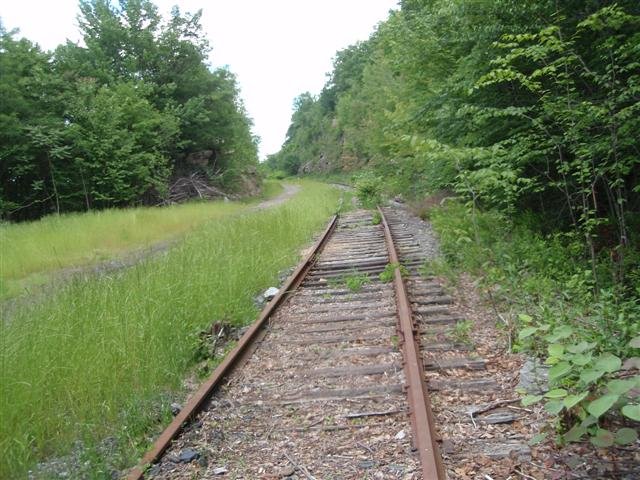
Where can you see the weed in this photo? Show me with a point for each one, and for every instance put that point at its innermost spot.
(461, 332)
(356, 281)
(586, 334)
(388, 273)
(439, 268)
(376, 218)
(369, 190)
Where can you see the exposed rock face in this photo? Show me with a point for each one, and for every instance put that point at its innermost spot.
(320, 165)
(201, 159)
(250, 183)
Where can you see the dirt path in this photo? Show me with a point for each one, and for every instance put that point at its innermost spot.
(289, 191)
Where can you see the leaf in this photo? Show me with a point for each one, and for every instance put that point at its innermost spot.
(554, 407)
(635, 342)
(581, 359)
(599, 407)
(608, 363)
(536, 439)
(524, 318)
(559, 370)
(604, 438)
(589, 376)
(560, 333)
(580, 347)
(530, 400)
(575, 433)
(590, 420)
(527, 332)
(620, 387)
(555, 349)
(556, 393)
(626, 436)
(572, 400)
(632, 411)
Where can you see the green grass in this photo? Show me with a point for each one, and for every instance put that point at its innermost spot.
(31, 251)
(98, 358)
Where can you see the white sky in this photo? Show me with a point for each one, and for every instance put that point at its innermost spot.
(277, 48)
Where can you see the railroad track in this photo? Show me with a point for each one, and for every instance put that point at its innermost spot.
(330, 382)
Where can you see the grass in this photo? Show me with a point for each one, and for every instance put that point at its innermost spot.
(100, 358)
(32, 251)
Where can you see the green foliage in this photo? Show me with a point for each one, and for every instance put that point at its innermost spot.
(109, 123)
(389, 271)
(369, 190)
(584, 336)
(524, 108)
(461, 332)
(33, 251)
(376, 218)
(355, 281)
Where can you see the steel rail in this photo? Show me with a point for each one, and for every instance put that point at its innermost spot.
(197, 401)
(422, 421)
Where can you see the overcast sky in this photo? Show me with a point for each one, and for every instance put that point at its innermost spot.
(277, 48)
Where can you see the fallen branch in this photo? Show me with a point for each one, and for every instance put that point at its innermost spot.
(299, 467)
(491, 406)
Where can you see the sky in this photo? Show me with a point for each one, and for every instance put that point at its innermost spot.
(277, 48)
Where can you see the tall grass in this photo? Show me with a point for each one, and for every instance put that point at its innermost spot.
(29, 251)
(89, 360)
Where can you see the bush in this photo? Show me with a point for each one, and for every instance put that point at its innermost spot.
(586, 334)
(369, 190)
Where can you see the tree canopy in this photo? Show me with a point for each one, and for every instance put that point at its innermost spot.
(111, 122)
(521, 106)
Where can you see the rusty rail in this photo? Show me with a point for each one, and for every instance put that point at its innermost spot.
(422, 421)
(197, 401)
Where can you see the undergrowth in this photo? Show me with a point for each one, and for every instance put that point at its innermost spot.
(587, 333)
(87, 362)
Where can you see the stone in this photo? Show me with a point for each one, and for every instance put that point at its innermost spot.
(533, 377)
(366, 464)
(188, 455)
(175, 408)
(400, 435)
(286, 472)
(269, 293)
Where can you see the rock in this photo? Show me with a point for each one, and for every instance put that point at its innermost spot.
(447, 447)
(154, 471)
(503, 449)
(200, 158)
(269, 293)
(533, 377)
(400, 435)
(259, 301)
(366, 464)
(286, 472)
(175, 408)
(188, 455)
(220, 471)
